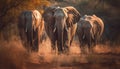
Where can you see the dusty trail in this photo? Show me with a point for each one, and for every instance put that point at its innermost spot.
(103, 57)
(14, 56)
(101, 61)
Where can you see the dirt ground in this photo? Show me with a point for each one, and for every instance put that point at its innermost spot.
(13, 56)
(93, 61)
(103, 57)
(80, 62)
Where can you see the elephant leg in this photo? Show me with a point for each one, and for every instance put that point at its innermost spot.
(66, 46)
(79, 34)
(66, 41)
(23, 38)
(71, 40)
(42, 37)
(53, 44)
(36, 40)
(97, 39)
(89, 43)
(82, 45)
(29, 41)
(53, 40)
(95, 42)
(36, 46)
(73, 32)
(81, 40)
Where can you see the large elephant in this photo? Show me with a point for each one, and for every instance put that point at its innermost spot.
(89, 30)
(31, 27)
(61, 24)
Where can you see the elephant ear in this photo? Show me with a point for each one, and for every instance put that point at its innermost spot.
(73, 15)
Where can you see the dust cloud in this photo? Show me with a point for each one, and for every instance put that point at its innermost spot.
(46, 55)
(13, 55)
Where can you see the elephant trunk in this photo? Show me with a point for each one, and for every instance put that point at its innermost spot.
(59, 28)
(60, 40)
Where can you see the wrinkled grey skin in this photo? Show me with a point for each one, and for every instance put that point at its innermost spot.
(89, 30)
(30, 29)
(61, 26)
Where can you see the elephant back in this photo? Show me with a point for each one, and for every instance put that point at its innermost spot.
(97, 23)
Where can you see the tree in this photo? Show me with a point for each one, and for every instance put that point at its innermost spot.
(10, 9)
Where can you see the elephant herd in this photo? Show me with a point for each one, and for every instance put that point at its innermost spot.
(61, 24)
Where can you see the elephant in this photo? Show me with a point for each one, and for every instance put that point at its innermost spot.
(61, 25)
(31, 26)
(89, 30)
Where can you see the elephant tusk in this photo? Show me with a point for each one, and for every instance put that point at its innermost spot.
(66, 29)
(26, 30)
(83, 37)
(54, 29)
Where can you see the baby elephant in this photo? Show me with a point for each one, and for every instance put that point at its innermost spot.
(89, 30)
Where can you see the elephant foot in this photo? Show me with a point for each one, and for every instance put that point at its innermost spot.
(34, 49)
(29, 50)
(53, 48)
(83, 50)
(66, 51)
(60, 52)
(54, 52)
(90, 51)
